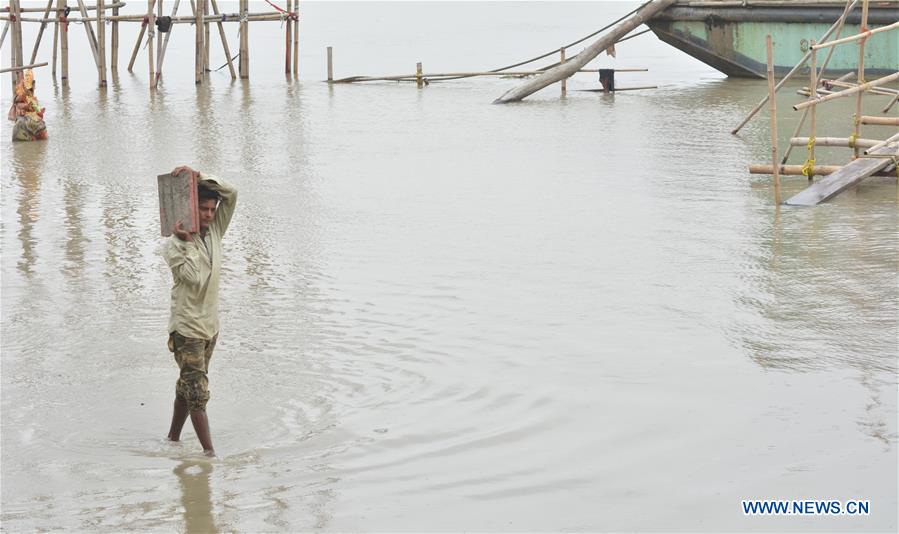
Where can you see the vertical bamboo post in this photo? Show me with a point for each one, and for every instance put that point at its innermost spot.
(813, 124)
(857, 119)
(225, 46)
(198, 42)
(55, 47)
(114, 59)
(330, 65)
(40, 33)
(205, 38)
(63, 42)
(19, 57)
(564, 80)
(296, 38)
(244, 41)
(151, 32)
(165, 45)
(287, 38)
(101, 40)
(773, 101)
(13, 41)
(159, 13)
(419, 81)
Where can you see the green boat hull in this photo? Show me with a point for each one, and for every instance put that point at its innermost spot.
(732, 38)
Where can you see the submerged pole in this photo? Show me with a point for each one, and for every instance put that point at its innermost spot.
(861, 77)
(63, 42)
(330, 65)
(244, 41)
(773, 101)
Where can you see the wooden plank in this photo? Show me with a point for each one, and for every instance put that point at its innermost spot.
(178, 202)
(849, 175)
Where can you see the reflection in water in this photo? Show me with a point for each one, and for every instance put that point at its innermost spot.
(196, 496)
(27, 166)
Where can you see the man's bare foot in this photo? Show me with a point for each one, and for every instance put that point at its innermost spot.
(209, 453)
(170, 438)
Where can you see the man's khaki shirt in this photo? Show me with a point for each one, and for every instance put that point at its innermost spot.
(196, 265)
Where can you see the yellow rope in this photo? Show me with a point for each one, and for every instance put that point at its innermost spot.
(808, 168)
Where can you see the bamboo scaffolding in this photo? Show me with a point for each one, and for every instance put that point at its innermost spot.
(861, 36)
(847, 85)
(23, 67)
(151, 32)
(453, 75)
(40, 33)
(888, 106)
(847, 92)
(881, 121)
(39, 9)
(224, 17)
(227, 50)
(846, 142)
(15, 42)
(836, 25)
(165, 45)
(773, 101)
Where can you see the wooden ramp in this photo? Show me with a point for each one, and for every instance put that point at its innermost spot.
(848, 175)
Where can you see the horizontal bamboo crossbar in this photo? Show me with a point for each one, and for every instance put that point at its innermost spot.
(438, 76)
(796, 170)
(24, 67)
(224, 17)
(862, 35)
(883, 143)
(846, 85)
(847, 92)
(40, 9)
(835, 141)
(882, 121)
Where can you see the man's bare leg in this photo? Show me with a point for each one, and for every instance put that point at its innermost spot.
(201, 426)
(179, 416)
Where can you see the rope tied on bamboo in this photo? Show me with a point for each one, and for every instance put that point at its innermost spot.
(852, 139)
(808, 168)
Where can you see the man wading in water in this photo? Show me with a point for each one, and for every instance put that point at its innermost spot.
(196, 261)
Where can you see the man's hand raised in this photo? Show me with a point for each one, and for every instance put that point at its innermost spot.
(185, 168)
(180, 233)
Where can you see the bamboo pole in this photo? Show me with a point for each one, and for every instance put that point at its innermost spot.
(419, 81)
(13, 44)
(847, 85)
(797, 170)
(888, 106)
(561, 62)
(847, 92)
(226, 17)
(883, 143)
(40, 33)
(454, 75)
(296, 38)
(39, 9)
(287, 39)
(773, 101)
(205, 37)
(813, 125)
(114, 59)
(23, 67)
(861, 76)
(165, 46)
(159, 13)
(865, 33)
(5, 30)
(91, 38)
(881, 121)
(140, 37)
(101, 41)
(845, 142)
(837, 24)
(244, 41)
(63, 43)
(198, 42)
(577, 62)
(151, 32)
(330, 66)
(55, 47)
(221, 27)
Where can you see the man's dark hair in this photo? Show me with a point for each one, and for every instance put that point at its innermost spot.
(204, 193)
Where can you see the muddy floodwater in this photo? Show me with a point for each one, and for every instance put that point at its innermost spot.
(570, 314)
